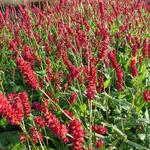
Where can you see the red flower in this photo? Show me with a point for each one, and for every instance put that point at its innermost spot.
(70, 114)
(75, 72)
(78, 134)
(73, 98)
(53, 123)
(27, 54)
(133, 68)
(112, 58)
(99, 129)
(99, 144)
(16, 105)
(40, 121)
(7, 111)
(47, 48)
(12, 45)
(81, 39)
(28, 73)
(100, 86)
(146, 95)
(25, 102)
(23, 138)
(35, 135)
(145, 49)
(119, 71)
(37, 106)
(119, 82)
(50, 75)
(91, 87)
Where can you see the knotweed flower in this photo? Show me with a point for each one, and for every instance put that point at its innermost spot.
(47, 48)
(133, 68)
(39, 121)
(119, 71)
(75, 72)
(23, 138)
(146, 48)
(53, 123)
(12, 45)
(78, 134)
(35, 135)
(91, 87)
(99, 144)
(17, 105)
(73, 98)
(7, 111)
(69, 113)
(37, 106)
(146, 95)
(100, 86)
(25, 102)
(50, 75)
(28, 73)
(99, 129)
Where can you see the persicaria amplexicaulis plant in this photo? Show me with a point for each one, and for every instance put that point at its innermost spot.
(74, 75)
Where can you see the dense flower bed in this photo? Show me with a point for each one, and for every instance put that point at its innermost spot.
(75, 75)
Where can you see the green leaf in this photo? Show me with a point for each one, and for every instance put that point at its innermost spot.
(141, 136)
(137, 146)
(83, 108)
(8, 139)
(3, 122)
(74, 89)
(107, 83)
(147, 115)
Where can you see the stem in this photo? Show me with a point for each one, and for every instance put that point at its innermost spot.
(39, 139)
(23, 128)
(56, 104)
(90, 126)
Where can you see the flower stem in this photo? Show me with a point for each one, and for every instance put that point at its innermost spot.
(56, 104)
(90, 125)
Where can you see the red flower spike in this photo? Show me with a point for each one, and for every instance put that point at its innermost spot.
(74, 72)
(47, 48)
(100, 86)
(25, 102)
(12, 45)
(37, 106)
(53, 123)
(146, 95)
(70, 114)
(28, 73)
(119, 71)
(73, 98)
(7, 111)
(39, 121)
(99, 129)
(16, 105)
(78, 134)
(23, 138)
(91, 87)
(36, 136)
(133, 68)
(99, 144)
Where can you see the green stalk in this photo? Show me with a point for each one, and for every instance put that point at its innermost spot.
(56, 105)
(90, 124)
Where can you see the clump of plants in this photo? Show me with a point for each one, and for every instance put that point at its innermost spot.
(75, 75)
